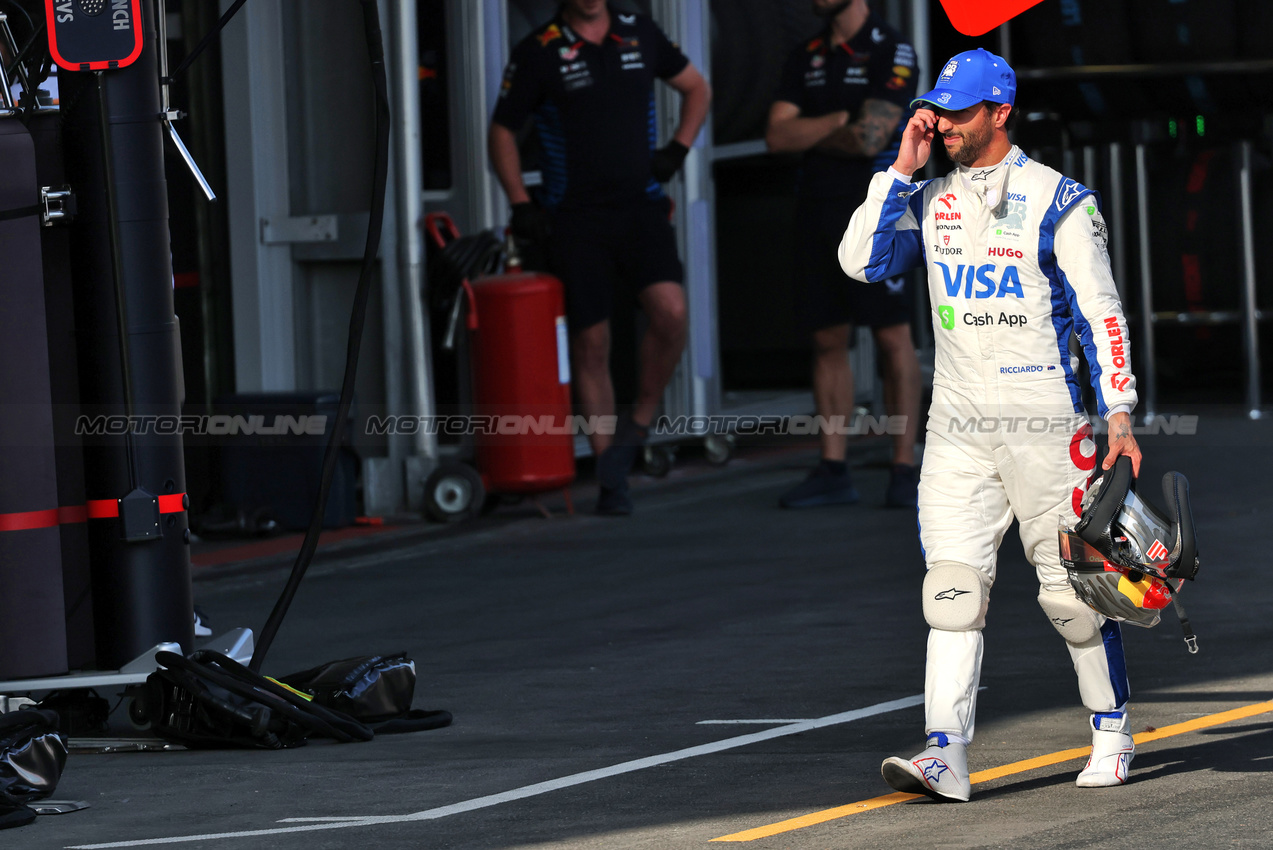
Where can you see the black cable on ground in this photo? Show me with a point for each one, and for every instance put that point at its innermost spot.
(375, 47)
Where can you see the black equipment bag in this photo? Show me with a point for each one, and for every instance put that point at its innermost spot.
(375, 689)
(32, 756)
(210, 701)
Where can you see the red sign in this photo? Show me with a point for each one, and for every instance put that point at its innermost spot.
(1158, 552)
(977, 17)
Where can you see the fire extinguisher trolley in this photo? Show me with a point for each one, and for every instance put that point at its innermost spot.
(521, 409)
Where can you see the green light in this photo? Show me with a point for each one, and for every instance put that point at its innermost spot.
(1200, 125)
(1172, 127)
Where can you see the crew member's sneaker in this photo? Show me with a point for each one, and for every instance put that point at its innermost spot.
(940, 771)
(614, 501)
(903, 487)
(1112, 751)
(613, 467)
(824, 486)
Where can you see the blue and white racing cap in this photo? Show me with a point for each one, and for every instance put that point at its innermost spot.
(968, 79)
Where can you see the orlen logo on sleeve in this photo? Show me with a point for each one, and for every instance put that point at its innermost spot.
(977, 17)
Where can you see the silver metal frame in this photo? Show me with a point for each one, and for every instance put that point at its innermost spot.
(409, 189)
(695, 388)
(1250, 324)
(1150, 369)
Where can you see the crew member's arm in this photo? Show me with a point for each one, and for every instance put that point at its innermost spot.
(696, 99)
(1083, 263)
(674, 68)
(790, 132)
(866, 135)
(501, 144)
(520, 93)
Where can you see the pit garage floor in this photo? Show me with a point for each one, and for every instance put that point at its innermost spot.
(715, 669)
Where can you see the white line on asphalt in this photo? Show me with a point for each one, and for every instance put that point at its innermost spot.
(541, 787)
(747, 722)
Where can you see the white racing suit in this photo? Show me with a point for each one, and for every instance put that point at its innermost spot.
(1016, 261)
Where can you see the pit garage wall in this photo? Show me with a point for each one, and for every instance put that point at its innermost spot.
(300, 140)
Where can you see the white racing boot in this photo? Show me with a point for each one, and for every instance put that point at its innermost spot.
(1112, 751)
(940, 771)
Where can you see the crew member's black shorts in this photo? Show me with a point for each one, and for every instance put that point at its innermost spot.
(597, 250)
(824, 295)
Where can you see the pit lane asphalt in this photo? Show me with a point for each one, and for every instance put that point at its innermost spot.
(572, 645)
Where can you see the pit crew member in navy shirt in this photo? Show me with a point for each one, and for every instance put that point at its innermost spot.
(587, 79)
(840, 104)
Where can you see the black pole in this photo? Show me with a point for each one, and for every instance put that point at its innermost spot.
(130, 360)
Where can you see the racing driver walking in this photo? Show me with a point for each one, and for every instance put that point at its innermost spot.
(1015, 257)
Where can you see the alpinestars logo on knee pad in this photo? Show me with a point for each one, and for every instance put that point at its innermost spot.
(951, 594)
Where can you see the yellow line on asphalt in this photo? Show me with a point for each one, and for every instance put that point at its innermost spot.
(814, 818)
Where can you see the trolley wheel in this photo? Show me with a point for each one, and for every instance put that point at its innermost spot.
(718, 448)
(656, 461)
(138, 713)
(454, 493)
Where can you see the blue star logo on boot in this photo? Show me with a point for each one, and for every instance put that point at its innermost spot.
(933, 770)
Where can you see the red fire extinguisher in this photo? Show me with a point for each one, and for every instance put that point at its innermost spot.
(523, 426)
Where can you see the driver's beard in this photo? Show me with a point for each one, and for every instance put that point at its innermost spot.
(974, 145)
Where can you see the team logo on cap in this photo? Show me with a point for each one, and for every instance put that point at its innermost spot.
(949, 71)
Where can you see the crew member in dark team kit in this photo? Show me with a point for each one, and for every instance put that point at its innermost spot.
(587, 77)
(841, 101)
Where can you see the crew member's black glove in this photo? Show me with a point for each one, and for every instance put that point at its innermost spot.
(530, 222)
(666, 161)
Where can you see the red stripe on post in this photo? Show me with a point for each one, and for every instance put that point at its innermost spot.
(102, 508)
(73, 514)
(94, 509)
(173, 504)
(27, 520)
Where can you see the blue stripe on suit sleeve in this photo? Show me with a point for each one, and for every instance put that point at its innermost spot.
(896, 251)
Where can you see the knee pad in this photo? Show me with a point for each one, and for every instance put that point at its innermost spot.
(956, 597)
(1076, 622)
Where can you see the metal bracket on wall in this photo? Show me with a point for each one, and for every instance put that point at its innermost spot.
(314, 228)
